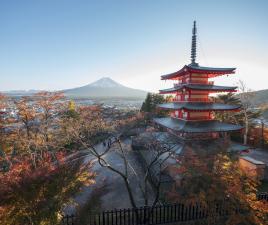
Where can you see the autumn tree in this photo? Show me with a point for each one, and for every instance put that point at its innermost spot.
(4, 159)
(50, 106)
(26, 115)
(88, 122)
(38, 195)
(71, 110)
(41, 178)
(246, 97)
(38, 117)
(246, 113)
(210, 174)
(2, 116)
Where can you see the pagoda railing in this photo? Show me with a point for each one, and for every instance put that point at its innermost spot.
(200, 118)
(194, 82)
(193, 119)
(198, 100)
(193, 100)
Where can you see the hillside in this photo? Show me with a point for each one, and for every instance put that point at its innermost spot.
(105, 87)
(260, 97)
(260, 100)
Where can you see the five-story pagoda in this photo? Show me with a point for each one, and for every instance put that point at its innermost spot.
(192, 110)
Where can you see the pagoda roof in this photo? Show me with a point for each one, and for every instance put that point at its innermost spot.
(195, 68)
(201, 126)
(198, 106)
(202, 87)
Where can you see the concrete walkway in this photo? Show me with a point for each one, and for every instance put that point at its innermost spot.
(116, 195)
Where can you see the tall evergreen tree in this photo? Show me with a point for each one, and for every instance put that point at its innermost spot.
(147, 104)
(151, 102)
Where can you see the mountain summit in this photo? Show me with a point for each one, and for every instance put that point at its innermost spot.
(105, 82)
(105, 88)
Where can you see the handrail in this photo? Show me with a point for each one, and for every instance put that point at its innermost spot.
(190, 82)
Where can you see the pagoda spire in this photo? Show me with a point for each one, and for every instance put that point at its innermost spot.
(193, 49)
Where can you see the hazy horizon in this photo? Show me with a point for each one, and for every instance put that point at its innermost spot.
(55, 45)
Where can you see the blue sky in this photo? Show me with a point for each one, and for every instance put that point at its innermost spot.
(58, 44)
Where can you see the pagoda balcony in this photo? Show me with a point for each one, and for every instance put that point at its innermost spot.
(194, 118)
(192, 100)
(194, 82)
(198, 100)
(200, 118)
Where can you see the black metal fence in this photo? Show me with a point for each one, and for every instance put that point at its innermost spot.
(69, 220)
(161, 214)
(153, 215)
(263, 196)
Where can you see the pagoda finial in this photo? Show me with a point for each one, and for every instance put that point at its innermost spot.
(193, 49)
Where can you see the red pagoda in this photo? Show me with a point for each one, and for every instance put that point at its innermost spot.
(192, 110)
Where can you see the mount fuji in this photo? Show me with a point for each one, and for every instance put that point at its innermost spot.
(106, 88)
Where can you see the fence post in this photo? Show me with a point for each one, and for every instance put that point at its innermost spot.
(125, 217)
(128, 216)
(103, 218)
(116, 217)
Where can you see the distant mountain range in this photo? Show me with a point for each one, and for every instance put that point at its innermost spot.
(102, 88)
(21, 92)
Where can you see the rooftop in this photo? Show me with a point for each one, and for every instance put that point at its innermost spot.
(196, 126)
(211, 71)
(199, 106)
(200, 87)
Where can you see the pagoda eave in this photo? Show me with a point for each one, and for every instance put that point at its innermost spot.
(198, 87)
(187, 69)
(198, 106)
(163, 92)
(203, 126)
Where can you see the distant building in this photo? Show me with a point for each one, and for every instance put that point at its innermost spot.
(253, 168)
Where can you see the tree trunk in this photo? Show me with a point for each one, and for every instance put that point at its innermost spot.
(246, 130)
(131, 198)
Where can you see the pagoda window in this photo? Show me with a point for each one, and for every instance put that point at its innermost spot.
(199, 115)
(185, 115)
(179, 98)
(198, 98)
(199, 78)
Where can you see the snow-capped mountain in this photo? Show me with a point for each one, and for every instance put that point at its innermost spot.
(105, 87)
(105, 82)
